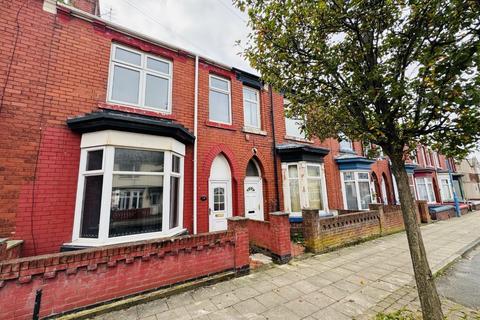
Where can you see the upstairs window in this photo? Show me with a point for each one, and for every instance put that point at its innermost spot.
(140, 79)
(251, 107)
(220, 100)
(346, 145)
(293, 126)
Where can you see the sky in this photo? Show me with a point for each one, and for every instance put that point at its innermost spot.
(209, 28)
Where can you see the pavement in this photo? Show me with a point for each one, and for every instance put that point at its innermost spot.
(354, 282)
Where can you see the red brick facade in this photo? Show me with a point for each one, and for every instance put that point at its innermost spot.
(56, 66)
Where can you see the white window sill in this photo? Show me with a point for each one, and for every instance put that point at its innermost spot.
(299, 139)
(254, 131)
(124, 239)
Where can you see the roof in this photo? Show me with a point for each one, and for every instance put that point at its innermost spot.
(130, 122)
(293, 152)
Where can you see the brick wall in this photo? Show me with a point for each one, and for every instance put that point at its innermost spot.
(81, 278)
(323, 234)
(272, 237)
(10, 249)
(391, 218)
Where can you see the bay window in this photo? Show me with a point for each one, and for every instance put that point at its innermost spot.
(140, 79)
(411, 183)
(446, 189)
(219, 100)
(425, 189)
(304, 187)
(128, 193)
(356, 190)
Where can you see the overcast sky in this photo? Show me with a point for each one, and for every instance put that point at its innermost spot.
(207, 27)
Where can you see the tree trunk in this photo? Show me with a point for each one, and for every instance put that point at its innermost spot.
(427, 291)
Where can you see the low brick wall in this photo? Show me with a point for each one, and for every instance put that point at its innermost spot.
(325, 233)
(272, 237)
(423, 211)
(77, 279)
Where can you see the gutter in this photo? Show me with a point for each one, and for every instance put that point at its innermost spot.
(195, 147)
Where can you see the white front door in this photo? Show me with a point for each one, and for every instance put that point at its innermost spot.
(253, 198)
(219, 205)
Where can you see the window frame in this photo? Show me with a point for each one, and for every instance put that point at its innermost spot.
(427, 181)
(228, 92)
(144, 72)
(258, 113)
(105, 211)
(449, 186)
(357, 181)
(345, 140)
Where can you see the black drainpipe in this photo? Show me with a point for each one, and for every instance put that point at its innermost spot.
(275, 169)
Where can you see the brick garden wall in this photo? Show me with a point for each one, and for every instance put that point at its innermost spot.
(272, 237)
(77, 279)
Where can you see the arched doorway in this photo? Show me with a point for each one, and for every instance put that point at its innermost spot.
(220, 194)
(253, 191)
(384, 189)
(378, 194)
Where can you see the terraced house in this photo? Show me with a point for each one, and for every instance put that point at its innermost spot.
(110, 136)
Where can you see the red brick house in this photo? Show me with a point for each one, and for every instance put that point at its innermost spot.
(111, 136)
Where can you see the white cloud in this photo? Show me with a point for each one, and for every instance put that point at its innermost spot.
(207, 27)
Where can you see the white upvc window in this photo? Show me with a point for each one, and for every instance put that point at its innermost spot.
(411, 184)
(436, 159)
(220, 100)
(446, 189)
(304, 187)
(357, 193)
(139, 79)
(414, 156)
(425, 189)
(293, 126)
(251, 107)
(128, 193)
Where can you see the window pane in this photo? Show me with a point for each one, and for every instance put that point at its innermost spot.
(158, 65)
(92, 200)
(251, 114)
(294, 195)
(292, 171)
(315, 194)
(218, 199)
(174, 201)
(128, 56)
(250, 94)
(348, 176)
(422, 190)
(365, 197)
(94, 160)
(313, 171)
(138, 160)
(219, 84)
(175, 164)
(346, 145)
(294, 128)
(363, 175)
(125, 85)
(351, 195)
(219, 107)
(156, 92)
(136, 205)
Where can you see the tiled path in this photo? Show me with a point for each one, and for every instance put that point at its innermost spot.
(354, 282)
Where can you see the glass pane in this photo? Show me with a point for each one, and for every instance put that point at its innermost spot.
(351, 195)
(422, 190)
(174, 201)
(219, 199)
(156, 92)
(347, 176)
(175, 164)
(136, 205)
(247, 112)
(365, 197)
(292, 171)
(252, 170)
(315, 194)
(219, 107)
(138, 160)
(313, 171)
(219, 84)
(94, 160)
(363, 175)
(128, 56)
(431, 193)
(250, 94)
(294, 195)
(251, 114)
(92, 202)
(158, 65)
(125, 85)
(294, 128)
(346, 145)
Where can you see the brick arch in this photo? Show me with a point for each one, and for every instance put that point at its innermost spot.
(388, 186)
(224, 150)
(260, 160)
